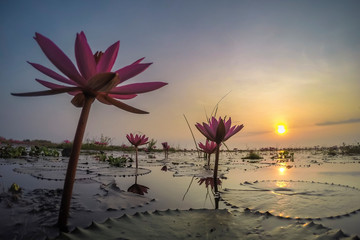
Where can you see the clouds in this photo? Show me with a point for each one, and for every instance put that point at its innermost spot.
(327, 123)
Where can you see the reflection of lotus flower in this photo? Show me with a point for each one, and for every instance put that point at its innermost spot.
(93, 80)
(218, 130)
(209, 181)
(138, 189)
(137, 140)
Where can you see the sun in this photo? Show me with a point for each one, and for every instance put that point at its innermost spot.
(281, 129)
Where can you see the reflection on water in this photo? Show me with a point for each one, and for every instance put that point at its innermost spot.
(281, 184)
(137, 188)
(171, 183)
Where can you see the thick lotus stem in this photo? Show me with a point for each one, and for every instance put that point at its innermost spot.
(136, 157)
(71, 169)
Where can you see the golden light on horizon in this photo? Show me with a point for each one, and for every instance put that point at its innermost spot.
(281, 129)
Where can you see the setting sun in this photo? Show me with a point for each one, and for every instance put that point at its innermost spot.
(281, 129)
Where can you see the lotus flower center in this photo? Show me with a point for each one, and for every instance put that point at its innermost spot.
(97, 56)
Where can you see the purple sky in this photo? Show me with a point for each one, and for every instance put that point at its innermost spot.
(291, 62)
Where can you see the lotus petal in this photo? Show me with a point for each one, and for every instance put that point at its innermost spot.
(84, 57)
(138, 61)
(132, 70)
(49, 84)
(52, 74)
(121, 105)
(123, 97)
(78, 100)
(100, 97)
(58, 58)
(47, 92)
(103, 82)
(138, 88)
(107, 60)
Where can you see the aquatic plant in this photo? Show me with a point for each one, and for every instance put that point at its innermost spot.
(151, 145)
(252, 155)
(9, 151)
(117, 161)
(350, 149)
(36, 151)
(218, 131)
(284, 156)
(15, 188)
(92, 80)
(166, 148)
(137, 140)
(209, 148)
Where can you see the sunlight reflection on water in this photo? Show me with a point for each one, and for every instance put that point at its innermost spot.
(178, 188)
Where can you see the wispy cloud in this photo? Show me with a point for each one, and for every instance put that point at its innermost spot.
(352, 120)
(257, 133)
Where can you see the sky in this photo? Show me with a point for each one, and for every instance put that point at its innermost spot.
(263, 62)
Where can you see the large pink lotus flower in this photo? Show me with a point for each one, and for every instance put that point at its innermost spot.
(94, 77)
(218, 130)
(137, 140)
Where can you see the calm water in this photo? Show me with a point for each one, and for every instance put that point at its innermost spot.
(314, 185)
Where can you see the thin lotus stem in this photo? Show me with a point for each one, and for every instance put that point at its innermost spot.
(71, 169)
(136, 157)
(208, 157)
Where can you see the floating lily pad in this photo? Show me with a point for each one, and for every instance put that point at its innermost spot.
(121, 172)
(117, 199)
(295, 199)
(53, 173)
(197, 224)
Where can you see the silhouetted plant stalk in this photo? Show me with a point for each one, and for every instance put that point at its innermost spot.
(192, 134)
(93, 79)
(72, 164)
